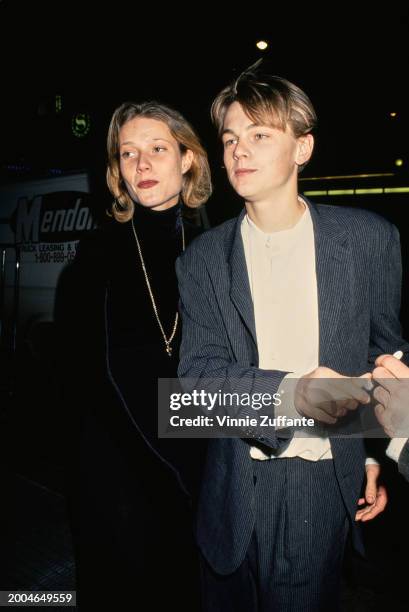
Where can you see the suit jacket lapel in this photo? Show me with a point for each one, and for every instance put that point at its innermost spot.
(332, 264)
(239, 282)
(332, 269)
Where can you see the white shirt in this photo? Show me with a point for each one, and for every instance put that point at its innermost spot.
(283, 285)
(395, 447)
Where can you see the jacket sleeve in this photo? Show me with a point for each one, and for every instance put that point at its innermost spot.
(206, 361)
(385, 300)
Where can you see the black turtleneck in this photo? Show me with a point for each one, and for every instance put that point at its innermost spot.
(133, 331)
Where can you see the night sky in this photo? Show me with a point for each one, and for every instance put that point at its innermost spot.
(353, 65)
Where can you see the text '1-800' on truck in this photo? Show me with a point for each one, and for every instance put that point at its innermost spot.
(41, 222)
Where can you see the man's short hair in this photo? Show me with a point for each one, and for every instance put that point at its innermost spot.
(267, 100)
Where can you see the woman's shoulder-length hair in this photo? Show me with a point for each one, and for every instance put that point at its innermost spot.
(196, 186)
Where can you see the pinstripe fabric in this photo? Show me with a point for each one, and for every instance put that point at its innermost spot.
(300, 531)
(404, 461)
(293, 563)
(358, 281)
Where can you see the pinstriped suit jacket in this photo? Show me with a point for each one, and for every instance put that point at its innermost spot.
(358, 266)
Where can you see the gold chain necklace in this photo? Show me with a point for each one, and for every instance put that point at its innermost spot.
(155, 310)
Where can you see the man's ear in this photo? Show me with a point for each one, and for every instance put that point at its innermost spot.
(305, 147)
(187, 160)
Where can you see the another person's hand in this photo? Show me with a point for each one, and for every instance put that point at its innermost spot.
(325, 395)
(376, 497)
(392, 395)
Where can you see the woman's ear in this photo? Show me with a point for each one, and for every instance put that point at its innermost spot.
(304, 149)
(187, 160)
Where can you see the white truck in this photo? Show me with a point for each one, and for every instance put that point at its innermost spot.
(41, 222)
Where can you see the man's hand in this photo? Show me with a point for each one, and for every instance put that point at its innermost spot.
(392, 395)
(375, 496)
(325, 395)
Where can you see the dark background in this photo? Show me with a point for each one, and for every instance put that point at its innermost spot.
(352, 62)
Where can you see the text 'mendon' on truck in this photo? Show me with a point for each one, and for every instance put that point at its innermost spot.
(41, 222)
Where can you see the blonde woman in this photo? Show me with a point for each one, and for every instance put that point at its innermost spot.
(131, 523)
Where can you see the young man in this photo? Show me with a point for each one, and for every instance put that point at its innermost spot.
(287, 287)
